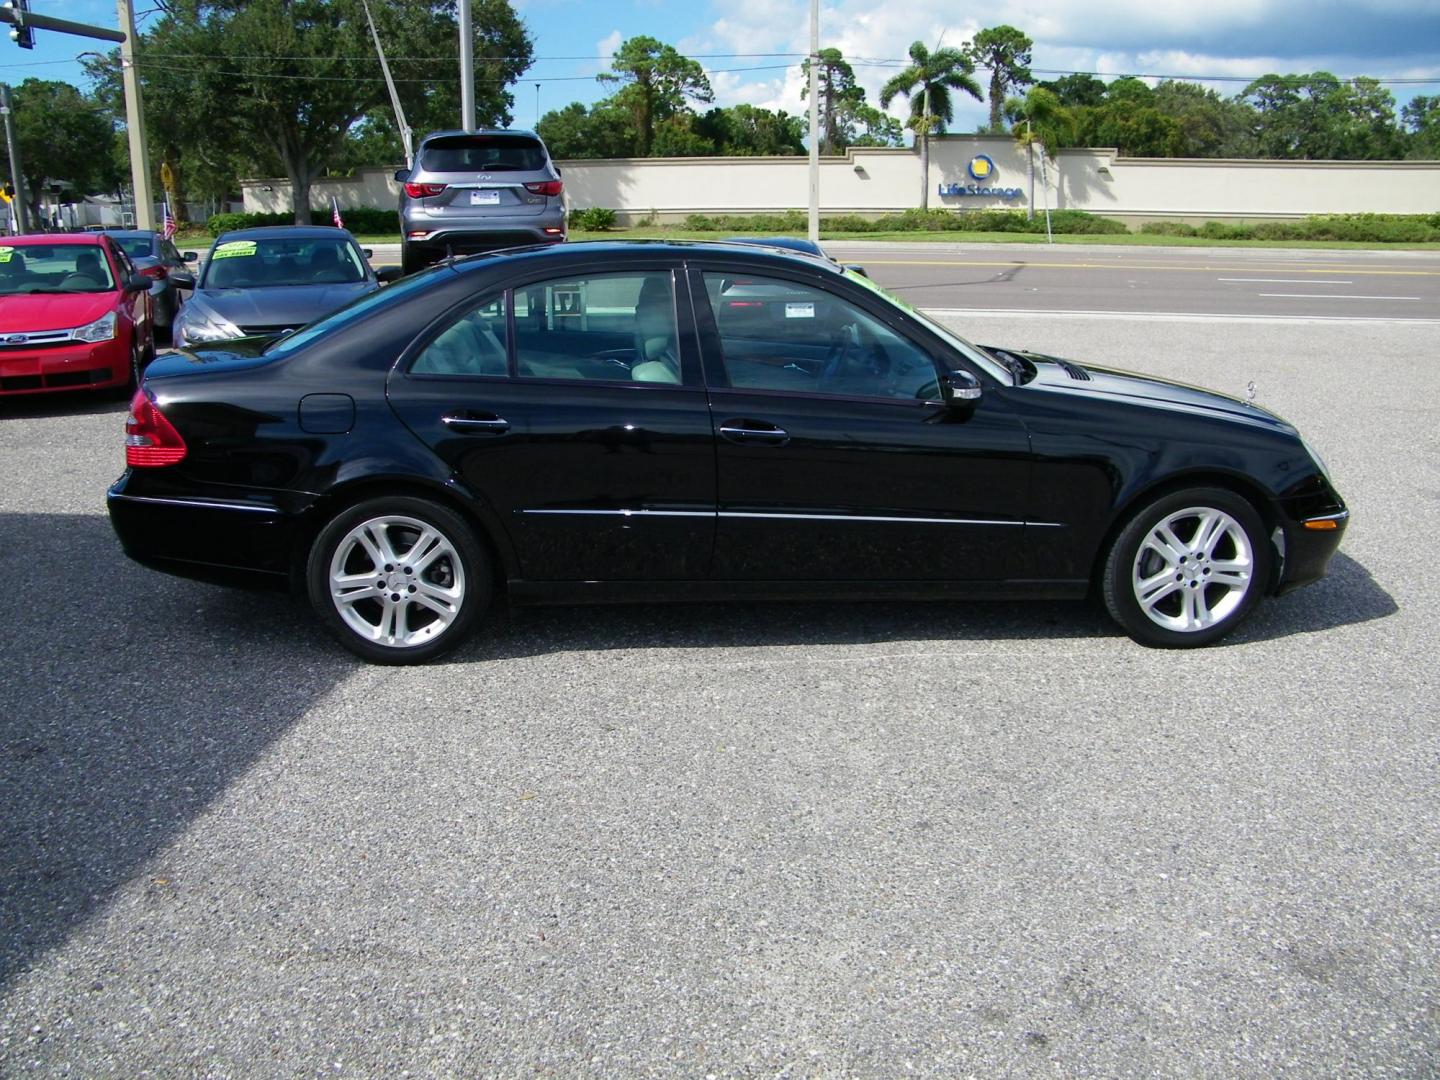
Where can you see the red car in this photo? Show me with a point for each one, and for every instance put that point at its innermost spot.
(74, 314)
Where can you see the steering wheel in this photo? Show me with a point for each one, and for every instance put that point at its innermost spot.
(83, 281)
(844, 344)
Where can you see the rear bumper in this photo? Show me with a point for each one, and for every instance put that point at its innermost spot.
(246, 542)
(64, 367)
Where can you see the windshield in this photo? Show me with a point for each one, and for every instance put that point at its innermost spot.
(63, 268)
(137, 247)
(954, 340)
(268, 263)
(356, 309)
(478, 153)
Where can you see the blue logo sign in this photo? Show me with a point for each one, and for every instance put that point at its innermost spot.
(982, 168)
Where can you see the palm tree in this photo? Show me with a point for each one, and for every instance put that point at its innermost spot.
(1039, 119)
(927, 82)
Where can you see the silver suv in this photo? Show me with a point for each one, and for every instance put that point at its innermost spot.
(477, 191)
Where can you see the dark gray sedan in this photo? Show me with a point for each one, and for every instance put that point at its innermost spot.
(171, 279)
(270, 281)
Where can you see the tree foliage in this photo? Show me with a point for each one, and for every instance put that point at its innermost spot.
(1317, 116)
(235, 82)
(62, 135)
(655, 84)
(1006, 52)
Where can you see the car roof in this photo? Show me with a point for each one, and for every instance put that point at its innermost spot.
(92, 239)
(283, 232)
(600, 250)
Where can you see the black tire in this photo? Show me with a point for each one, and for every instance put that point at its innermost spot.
(1197, 583)
(369, 624)
(413, 259)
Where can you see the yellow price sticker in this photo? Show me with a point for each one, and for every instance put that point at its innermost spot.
(234, 249)
(5, 253)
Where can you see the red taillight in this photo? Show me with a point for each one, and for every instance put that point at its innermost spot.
(420, 191)
(155, 273)
(546, 187)
(150, 439)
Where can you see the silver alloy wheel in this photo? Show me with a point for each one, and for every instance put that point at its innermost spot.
(397, 581)
(1193, 569)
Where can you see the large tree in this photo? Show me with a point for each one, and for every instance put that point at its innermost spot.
(1422, 120)
(838, 94)
(1006, 52)
(295, 76)
(927, 83)
(63, 135)
(1317, 116)
(655, 84)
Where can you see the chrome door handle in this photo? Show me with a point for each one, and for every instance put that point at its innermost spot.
(476, 425)
(753, 431)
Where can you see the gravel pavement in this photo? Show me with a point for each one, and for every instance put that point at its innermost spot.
(996, 840)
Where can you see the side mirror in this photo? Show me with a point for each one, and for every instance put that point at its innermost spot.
(858, 269)
(183, 279)
(387, 274)
(367, 252)
(138, 283)
(401, 175)
(960, 388)
(189, 256)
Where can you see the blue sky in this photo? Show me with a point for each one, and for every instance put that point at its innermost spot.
(737, 41)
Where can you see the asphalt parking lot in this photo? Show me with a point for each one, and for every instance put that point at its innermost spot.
(970, 839)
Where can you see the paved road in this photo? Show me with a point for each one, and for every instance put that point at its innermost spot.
(857, 840)
(1347, 285)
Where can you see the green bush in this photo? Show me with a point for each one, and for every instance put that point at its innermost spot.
(1363, 228)
(595, 219)
(1167, 228)
(359, 219)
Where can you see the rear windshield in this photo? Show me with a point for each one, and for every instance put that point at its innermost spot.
(137, 247)
(483, 153)
(58, 268)
(265, 263)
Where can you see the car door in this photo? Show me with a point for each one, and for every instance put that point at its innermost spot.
(574, 407)
(836, 460)
(135, 305)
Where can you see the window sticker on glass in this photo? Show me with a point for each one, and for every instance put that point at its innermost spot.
(234, 248)
(5, 253)
(799, 311)
(486, 197)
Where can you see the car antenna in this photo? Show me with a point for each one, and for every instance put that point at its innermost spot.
(449, 256)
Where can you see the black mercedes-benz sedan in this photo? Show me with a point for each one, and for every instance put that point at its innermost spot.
(620, 421)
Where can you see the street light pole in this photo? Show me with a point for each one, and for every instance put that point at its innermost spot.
(814, 121)
(17, 177)
(135, 120)
(467, 69)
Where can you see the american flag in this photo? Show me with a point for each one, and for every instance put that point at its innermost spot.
(335, 213)
(169, 226)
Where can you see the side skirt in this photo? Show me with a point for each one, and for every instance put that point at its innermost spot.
(650, 592)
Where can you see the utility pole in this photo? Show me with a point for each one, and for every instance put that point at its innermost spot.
(135, 121)
(814, 121)
(467, 69)
(17, 178)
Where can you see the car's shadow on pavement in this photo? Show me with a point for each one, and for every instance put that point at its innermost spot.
(130, 700)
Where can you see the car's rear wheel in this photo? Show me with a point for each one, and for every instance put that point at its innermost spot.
(1187, 569)
(398, 580)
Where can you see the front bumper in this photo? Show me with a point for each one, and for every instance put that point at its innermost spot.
(1307, 546)
(71, 366)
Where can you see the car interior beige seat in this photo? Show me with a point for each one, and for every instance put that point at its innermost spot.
(656, 358)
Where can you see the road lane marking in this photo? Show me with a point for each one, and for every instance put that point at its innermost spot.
(1285, 281)
(1167, 316)
(1331, 296)
(1012, 263)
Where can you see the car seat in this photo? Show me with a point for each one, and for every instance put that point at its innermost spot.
(326, 266)
(656, 358)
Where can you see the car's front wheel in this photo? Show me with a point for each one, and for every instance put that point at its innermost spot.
(1187, 569)
(398, 580)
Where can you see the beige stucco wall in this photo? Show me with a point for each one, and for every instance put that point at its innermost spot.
(873, 181)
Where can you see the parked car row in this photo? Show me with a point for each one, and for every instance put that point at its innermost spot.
(694, 421)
